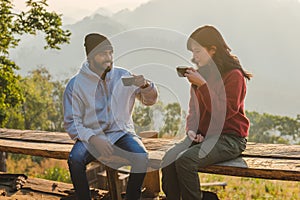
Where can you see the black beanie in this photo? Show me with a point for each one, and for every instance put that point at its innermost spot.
(95, 42)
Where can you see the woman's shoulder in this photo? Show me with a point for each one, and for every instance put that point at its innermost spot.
(233, 73)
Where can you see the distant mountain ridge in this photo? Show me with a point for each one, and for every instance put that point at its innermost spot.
(263, 34)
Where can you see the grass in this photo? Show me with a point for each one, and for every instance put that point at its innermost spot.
(239, 188)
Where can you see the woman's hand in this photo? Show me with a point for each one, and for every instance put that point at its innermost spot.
(195, 137)
(194, 77)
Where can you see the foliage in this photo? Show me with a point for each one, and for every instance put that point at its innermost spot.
(267, 128)
(35, 166)
(166, 119)
(19, 157)
(172, 119)
(37, 18)
(13, 25)
(42, 105)
(141, 117)
(56, 174)
(10, 92)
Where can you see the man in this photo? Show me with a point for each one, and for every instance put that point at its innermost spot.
(98, 116)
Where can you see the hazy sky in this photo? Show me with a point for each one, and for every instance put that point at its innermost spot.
(78, 9)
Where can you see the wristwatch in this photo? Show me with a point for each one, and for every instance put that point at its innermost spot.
(145, 85)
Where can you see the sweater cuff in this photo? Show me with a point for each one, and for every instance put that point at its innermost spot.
(203, 89)
(148, 88)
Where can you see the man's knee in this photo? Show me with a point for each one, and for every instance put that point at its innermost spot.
(139, 162)
(75, 162)
(141, 158)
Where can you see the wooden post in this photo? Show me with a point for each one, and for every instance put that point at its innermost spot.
(2, 161)
(152, 184)
(113, 183)
(152, 179)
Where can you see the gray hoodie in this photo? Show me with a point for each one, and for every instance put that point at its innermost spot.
(96, 107)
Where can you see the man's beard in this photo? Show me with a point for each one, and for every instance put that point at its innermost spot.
(101, 66)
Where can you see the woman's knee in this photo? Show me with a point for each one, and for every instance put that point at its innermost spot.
(184, 162)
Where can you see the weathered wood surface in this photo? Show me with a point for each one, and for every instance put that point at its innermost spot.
(35, 188)
(49, 150)
(36, 136)
(252, 150)
(270, 161)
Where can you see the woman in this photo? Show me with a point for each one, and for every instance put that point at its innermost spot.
(216, 125)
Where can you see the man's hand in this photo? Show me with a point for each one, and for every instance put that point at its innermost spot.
(140, 81)
(195, 137)
(102, 145)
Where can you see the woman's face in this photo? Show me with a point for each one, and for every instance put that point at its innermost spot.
(201, 55)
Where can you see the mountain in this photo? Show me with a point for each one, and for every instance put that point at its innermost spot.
(65, 62)
(104, 12)
(263, 34)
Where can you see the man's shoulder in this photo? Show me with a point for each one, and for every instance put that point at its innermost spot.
(121, 70)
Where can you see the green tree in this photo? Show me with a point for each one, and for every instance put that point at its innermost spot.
(12, 26)
(267, 128)
(141, 117)
(172, 120)
(42, 105)
(163, 118)
(10, 92)
(56, 174)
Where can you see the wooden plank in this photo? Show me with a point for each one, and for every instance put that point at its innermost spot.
(271, 161)
(252, 150)
(36, 136)
(48, 186)
(222, 184)
(49, 150)
(61, 151)
(267, 168)
(36, 188)
(272, 150)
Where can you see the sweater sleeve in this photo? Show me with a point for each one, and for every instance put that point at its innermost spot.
(149, 95)
(227, 99)
(192, 120)
(73, 115)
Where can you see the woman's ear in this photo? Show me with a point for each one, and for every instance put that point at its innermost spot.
(212, 50)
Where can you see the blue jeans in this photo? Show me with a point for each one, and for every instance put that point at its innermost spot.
(80, 156)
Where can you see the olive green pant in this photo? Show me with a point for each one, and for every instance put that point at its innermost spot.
(181, 162)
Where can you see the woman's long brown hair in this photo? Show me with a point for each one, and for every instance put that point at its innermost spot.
(208, 36)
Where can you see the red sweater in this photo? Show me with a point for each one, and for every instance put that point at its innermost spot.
(218, 106)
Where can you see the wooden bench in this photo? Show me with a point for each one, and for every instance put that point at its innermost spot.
(267, 161)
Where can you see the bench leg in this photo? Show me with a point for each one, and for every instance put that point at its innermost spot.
(152, 184)
(113, 183)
